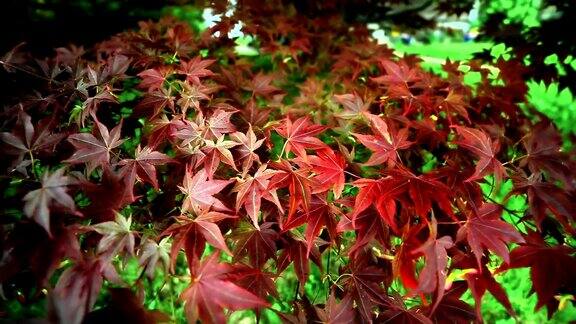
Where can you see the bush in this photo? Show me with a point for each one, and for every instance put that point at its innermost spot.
(307, 173)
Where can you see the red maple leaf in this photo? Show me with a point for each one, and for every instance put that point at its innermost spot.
(328, 168)
(248, 143)
(37, 202)
(384, 145)
(252, 189)
(484, 228)
(93, 151)
(192, 235)
(552, 269)
(432, 278)
(200, 192)
(143, 166)
(477, 142)
(212, 290)
(299, 136)
(195, 69)
(153, 79)
(321, 213)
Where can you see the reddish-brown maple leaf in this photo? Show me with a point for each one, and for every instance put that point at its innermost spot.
(552, 269)
(195, 69)
(454, 103)
(211, 291)
(192, 235)
(259, 244)
(153, 79)
(154, 103)
(477, 142)
(260, 85)
(78, 287)
(546, 196)
(299, 136)
(152, 253)
(298, 183)
(354, 106)
(320, 213)
(215, 152)
(143, 166)
(248, 143)
(116, 236)
(219, 124)
(328, 167)
(200, 192)
(383, 144)
(337, 312)
(93, 151)
(26, 140)
(364, 286)
(484, 228)
(37, 202)
(433, 276)
(544, 152)
(252, 189)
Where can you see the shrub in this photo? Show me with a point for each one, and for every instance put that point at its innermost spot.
(324, 154)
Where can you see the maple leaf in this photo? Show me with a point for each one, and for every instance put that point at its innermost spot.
(552, 269)
(94, 151)
(256, 281)
(433, 275)
(37, 202)
(477, 142)
(259, 244)
(300, 136)
(364, 286)
(192, 235)
(91, 104)
(379, 193)
(153, 79)
(298, 183)
(452, 309)
(219, 124)
(328, 167)
(320, 213)
(25, 139)
(545, 196)
(544, 152)
(295, 252)
(195, 69)
(260, 85)
(484, 228)
(200, 192)
(397, 72)
(143, 165)
(190, 96)
(104, 205)
(211, 291)
(154, 102)
(216, 152)
(337, 312)
(384, 145)
(423, 190)
(248, 143)
(78, 287)
(454, 103)
(251, 189)
(116, 236)
(480, 281)
(152, 253)
(354, 106)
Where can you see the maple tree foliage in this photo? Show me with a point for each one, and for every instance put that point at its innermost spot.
(334, 156)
